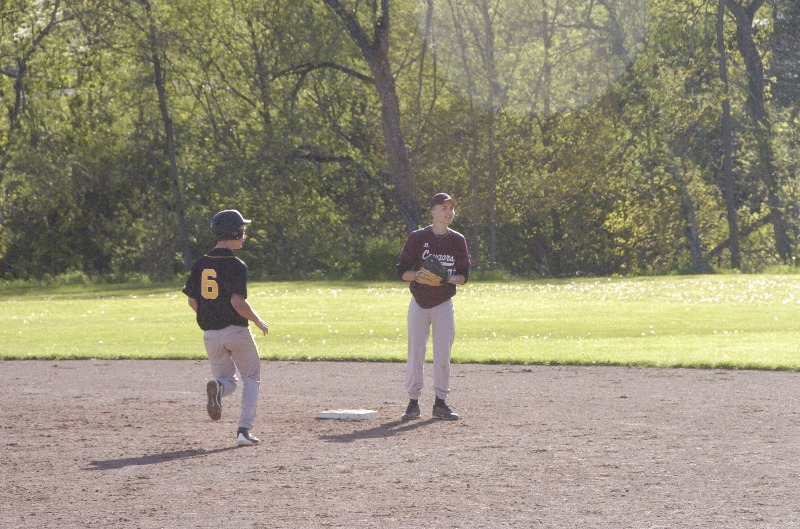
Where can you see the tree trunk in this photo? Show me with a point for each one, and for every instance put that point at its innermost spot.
(376, 53)
(474, 143)
(399, 165)
(494, 95)
(183, 231)
(691, 230)
(726, 178)
(13, 114)
(756, 106)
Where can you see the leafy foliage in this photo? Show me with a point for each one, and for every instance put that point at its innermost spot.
(580, 139)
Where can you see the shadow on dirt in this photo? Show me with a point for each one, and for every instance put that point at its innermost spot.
(164, 457)
(381, 431)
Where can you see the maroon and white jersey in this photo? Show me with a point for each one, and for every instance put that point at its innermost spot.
(451, 250)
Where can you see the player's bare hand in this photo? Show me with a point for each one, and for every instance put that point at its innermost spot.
(261, 324)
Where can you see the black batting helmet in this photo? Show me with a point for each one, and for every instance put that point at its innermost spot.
(227, 225)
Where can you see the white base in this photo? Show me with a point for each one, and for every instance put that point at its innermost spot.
(348, 415)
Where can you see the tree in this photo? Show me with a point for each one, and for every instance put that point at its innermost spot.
(785, 58)
(473, 31)
(574, 145)
(35, 23)
(375, 51)
(744, 15)
(726, 177)
(155, 43)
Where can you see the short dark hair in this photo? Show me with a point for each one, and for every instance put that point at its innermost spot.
(441, 198)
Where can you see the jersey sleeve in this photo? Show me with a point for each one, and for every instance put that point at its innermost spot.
(463, 260)
(408, 256)
(192, 286)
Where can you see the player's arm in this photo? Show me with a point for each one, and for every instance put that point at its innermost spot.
(190, 290)
(405, 271)
(409, 276)
(246, 311)
(457, 279)
(459, 276)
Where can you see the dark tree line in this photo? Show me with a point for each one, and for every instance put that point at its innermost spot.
(582, 137)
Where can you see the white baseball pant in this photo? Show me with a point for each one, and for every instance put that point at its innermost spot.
(230, 349)
(441, 319)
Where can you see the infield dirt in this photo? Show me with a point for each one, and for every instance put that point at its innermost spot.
(128, 444)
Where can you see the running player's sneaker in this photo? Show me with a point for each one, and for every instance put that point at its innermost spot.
(443, 411)
(214, 406)
(412, 411)
(245, 438)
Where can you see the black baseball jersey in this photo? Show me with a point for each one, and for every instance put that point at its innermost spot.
(450, 249)
(214, 278)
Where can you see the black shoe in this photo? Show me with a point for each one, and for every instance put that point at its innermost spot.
(443, 411)
(214, 405)
(412, 411)
(245, 438)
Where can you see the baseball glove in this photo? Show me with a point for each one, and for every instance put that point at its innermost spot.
(432, 272)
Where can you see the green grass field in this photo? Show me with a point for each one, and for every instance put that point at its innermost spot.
(729, 321)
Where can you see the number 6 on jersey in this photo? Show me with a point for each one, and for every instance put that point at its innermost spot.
(209, 287)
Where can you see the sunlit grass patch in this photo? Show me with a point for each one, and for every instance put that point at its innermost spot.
(732, 321)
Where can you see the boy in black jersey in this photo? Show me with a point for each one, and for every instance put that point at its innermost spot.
(217, 291)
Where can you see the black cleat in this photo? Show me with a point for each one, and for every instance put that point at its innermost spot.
(443, 411)
(214, 405)
(412, 411)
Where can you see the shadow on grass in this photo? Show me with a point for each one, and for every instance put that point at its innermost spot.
(154, 459)
(382, 431)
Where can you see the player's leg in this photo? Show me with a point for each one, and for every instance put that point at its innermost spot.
(419, 323)
(444, 333)
(245, 355)
(219, 357)
(222, 369)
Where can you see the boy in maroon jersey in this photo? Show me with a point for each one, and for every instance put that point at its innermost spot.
(431, 307)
